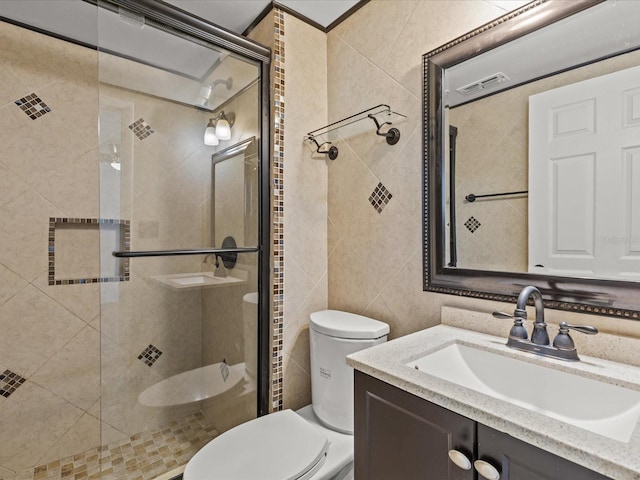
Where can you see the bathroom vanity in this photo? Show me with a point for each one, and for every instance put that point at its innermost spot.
(396, 431)
(428, 422)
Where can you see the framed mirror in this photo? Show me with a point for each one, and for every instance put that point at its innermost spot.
(532, 158)
(234, 199)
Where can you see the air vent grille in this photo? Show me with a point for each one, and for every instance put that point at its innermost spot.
(483, 83)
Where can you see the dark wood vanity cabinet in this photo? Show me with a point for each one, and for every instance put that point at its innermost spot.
(399, 436)
(518, 460)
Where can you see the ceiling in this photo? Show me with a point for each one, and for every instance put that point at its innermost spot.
(238, 15)
(179, 68)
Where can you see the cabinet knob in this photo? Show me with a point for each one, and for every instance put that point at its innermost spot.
(460, 459)
(486, 470)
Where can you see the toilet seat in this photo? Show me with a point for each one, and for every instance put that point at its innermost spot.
(280, 446)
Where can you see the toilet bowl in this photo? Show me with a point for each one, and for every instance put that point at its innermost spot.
(313, 443)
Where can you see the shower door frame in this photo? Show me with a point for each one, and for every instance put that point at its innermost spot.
(181, 22)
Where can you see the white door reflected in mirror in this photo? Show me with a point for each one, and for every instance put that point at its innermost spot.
(584, 178)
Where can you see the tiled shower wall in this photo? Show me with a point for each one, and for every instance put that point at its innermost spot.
(229, 323)
(149, 331)
(49, 335)
(52, 338)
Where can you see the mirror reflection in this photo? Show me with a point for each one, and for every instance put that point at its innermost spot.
(542, 168)
(235, 195)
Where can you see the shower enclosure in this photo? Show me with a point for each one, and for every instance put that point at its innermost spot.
(134, 269)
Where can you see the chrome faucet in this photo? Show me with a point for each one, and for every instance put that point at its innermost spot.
(563, 346)
(220, 270)
(539, 336)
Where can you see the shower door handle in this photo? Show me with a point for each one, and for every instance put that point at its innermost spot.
(195, 251)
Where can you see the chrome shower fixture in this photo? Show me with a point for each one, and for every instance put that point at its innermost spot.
(204, 97)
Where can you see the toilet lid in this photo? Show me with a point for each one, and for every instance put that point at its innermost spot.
(280, 446)
(335, 323)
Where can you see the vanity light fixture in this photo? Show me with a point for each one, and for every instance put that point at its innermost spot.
(218, 128)
(223, 128)
(210, 137)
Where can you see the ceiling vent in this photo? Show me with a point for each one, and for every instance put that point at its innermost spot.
(483, 83)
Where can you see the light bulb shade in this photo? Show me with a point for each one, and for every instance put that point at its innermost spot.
(210, 137)
(223, 129)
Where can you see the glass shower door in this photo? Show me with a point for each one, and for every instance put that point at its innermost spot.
(179, 233)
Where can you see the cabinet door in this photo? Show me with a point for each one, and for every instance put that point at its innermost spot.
(518, 460)
(401, 436)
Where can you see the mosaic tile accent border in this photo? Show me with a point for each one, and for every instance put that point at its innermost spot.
(10, 382)
(472, 224)
(141, 129)
(141, 457)
(125, 243)
(380, 197)
(278, 210)
(150, 355)
(33, 106)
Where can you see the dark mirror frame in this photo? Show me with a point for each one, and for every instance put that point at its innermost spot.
(602, 297)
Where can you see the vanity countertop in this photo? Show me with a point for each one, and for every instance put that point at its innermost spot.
(615, 459)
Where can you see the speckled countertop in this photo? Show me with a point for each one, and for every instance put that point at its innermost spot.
(615, 459)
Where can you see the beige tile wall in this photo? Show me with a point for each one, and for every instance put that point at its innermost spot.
(305, 217)
(78, 345)
(229, 325)
(165, 189)
(48, 168)
(305, 201)
(375, 260)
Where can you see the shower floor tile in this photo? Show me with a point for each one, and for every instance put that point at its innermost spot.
(144, 456)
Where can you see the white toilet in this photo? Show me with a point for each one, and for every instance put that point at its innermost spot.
(314, 443)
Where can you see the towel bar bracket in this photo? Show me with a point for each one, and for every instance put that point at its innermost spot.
(392, 135)
(331, 152)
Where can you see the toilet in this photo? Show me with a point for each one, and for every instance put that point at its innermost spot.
(313, 443)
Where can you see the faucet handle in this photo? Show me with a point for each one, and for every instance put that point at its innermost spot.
(563, 340)
(589, 330)
(518, 330)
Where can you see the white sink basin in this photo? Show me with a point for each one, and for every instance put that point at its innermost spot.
(196, 280)
(193, 280)
(593, 405)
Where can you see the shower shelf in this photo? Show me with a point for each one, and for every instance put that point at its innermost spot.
(381, 116)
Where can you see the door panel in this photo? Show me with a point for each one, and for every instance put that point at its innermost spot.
(583, 157)
(398, 435)
(517, 460)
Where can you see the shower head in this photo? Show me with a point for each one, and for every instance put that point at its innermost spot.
(206, 92)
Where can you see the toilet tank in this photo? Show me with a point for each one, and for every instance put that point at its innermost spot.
(334, 335)
(250, 328)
